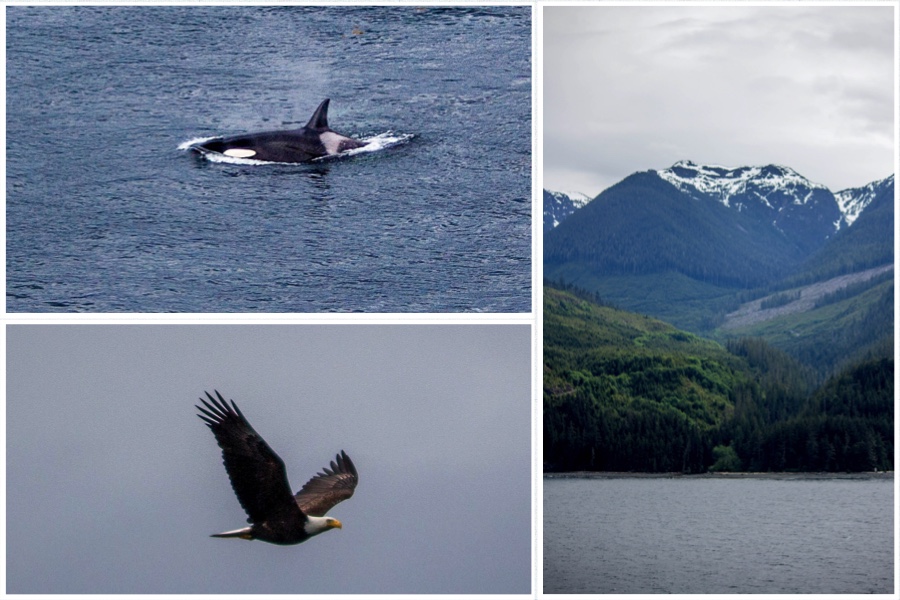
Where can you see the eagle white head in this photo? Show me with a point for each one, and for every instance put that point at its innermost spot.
(316, 525)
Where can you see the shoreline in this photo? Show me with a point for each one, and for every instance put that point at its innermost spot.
(721, 475)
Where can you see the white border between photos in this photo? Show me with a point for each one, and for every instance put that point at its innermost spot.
(298, 318)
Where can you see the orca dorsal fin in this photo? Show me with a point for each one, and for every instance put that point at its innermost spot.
(319, 120)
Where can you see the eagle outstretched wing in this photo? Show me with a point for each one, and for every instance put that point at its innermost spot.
(257, 474)
(329, 487)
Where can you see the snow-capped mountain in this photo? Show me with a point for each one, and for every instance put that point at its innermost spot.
(745, 227)
(674, 243)
(559, 205)
(771, 185)
(775, 194)
(853, 201)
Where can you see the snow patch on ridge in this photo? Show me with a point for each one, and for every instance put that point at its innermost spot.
(562, 205)
(853, 201)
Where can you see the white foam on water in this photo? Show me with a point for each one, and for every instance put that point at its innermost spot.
(187, 145)
(234, 160)
(378, 142)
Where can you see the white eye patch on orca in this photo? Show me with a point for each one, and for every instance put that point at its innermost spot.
(239, 152)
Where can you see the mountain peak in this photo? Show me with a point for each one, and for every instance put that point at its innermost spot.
(794, 205)
(853, 201)
(559, 205)
(724, 183)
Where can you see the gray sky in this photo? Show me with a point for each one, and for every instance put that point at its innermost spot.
(634, 88)
(114, 485)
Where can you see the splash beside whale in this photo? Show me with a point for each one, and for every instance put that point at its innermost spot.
(312, 141)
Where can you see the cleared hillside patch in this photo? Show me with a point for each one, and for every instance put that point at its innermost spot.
(752, 313)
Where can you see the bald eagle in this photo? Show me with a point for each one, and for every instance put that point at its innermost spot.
(260, 482)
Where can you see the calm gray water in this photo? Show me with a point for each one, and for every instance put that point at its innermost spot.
(695, 536)
(105, 213)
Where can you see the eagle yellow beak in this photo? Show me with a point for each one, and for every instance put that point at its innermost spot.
(335, 524)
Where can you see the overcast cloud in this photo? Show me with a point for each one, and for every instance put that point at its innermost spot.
(634, 88)
(114, 485)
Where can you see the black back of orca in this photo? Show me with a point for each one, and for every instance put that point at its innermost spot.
(314, 140)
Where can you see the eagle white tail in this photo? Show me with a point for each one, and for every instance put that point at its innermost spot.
(244, 534)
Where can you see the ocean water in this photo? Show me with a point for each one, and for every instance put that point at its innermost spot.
(715, 536)
(107, 212)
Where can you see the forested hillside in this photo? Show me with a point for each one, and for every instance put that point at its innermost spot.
(623, 392)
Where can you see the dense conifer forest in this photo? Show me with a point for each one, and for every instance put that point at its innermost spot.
(624, 392)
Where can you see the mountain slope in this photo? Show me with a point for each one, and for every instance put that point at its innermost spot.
(645, 224)
(868, 242)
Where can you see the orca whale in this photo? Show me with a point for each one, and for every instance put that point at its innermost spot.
(314, 140)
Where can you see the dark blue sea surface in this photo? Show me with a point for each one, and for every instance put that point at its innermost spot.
(719, 536)
(105, 212)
